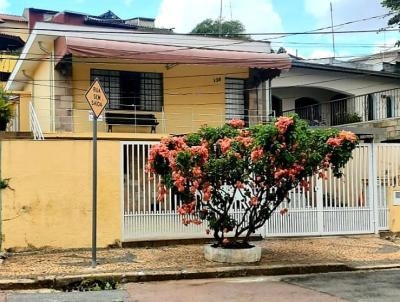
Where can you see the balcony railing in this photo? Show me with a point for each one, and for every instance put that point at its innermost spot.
(362, 108)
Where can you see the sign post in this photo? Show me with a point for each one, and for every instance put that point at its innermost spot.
(97, 100)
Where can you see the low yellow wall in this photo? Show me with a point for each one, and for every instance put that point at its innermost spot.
(52, 199)
(394, 211)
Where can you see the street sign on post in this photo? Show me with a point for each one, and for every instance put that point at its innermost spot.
(97, 100)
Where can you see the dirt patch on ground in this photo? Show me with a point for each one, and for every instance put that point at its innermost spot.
(350, 249)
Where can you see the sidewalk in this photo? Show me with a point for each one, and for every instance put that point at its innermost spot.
(280, 256)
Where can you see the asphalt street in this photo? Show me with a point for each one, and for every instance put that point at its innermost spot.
(382, 286)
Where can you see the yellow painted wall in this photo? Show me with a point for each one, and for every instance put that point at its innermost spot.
(51, 201)
(24, 112)
(193, 95)
(42, 95)
(394, 210)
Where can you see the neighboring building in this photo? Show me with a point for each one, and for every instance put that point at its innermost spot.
(13, 34)
(384, 61)
(334, 93)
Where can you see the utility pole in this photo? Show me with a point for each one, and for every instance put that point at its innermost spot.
(220, 19)
(230, 6)
(333, 33)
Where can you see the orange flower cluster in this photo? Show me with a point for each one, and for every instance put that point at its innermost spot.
(257, 154)
(337, 142)
(348, 136)
(225, 144)
(236, 123)
(288, 173)
(187, 208)
(245, 140)
(283, 123)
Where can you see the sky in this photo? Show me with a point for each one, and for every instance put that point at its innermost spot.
(258, 16)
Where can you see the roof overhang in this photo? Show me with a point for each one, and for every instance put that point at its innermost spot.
(141, 52)
(328, 67)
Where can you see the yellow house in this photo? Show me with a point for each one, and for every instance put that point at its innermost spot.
(157, 83)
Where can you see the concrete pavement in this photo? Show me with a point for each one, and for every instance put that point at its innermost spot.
(238, 290)
(366, 286)
(100, 296)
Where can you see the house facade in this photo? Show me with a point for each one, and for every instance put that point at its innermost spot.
(156, 82)
(159, 83)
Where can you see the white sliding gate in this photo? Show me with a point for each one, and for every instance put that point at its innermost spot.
(331, 206)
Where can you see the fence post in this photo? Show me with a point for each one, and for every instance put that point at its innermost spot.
(372, 188)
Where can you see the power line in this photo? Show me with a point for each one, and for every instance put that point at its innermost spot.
(388, 28)
(214, 93)
(339, 25)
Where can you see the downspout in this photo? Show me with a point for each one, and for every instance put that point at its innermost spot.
(33, 85)
(269, 98)
(32, 96)
(51, 77)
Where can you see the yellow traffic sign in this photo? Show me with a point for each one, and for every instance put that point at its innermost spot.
(96, 98)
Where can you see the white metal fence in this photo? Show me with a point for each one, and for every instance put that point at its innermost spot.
(331, 206)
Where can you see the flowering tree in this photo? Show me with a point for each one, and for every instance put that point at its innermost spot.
(217, 169)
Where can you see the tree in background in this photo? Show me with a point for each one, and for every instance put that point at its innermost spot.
(394, 6)
(227, 29)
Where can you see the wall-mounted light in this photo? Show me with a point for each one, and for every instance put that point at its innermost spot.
(170, 66)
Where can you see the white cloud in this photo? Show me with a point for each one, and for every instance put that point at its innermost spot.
(321, 53)
(184, 15)
(319, 8)
(386, 45)
(128, 2)
(3, 5)
(346, 10)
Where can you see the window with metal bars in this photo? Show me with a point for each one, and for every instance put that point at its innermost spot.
(127, 90)
(235, 99)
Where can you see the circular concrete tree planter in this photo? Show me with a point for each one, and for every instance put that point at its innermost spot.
(218, 254)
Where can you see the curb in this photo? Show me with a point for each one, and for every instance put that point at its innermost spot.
(61, 282)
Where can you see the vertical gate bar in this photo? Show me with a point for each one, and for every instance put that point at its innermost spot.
(391, 166)
(145, 197)
(135, 207)
(334, 191)
(360, 177)
(155, 193)
(396, 167)
(320, 207)
(123, 191)
(148, 179)
(353, 182)
(139, 195)
(347, 185)
(126, 159)
(374, 205)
